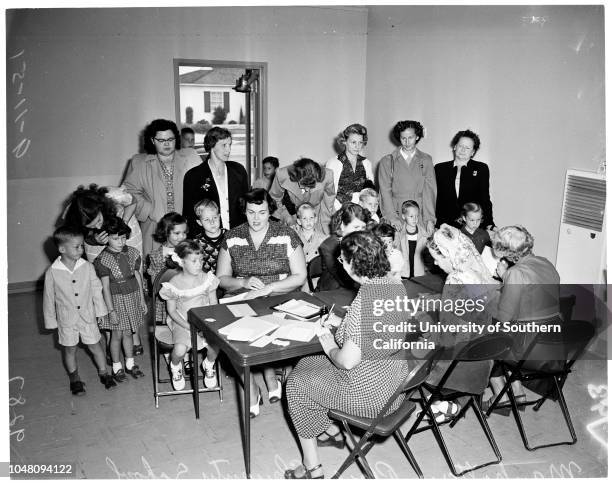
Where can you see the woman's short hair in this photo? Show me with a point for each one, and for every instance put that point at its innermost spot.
(366, 253)
(270, 160)
(466, 134)
(347, 213)
(383, 230)
(353, 129)
(512, 242)
(160, 125)
(256, 197)
(401, 126)
(306, 172)
(116, 226)
(166, 225)
(213, 136)
(86, 203)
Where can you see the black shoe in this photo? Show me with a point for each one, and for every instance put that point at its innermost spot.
(135, 372)
(187, 368)
(120, 376)
(108, 381)
(138, 350)
(77, 388)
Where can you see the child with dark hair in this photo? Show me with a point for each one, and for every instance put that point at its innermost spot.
(386, 233)
(269, 165)
(192, 287)
(72, 304)
(211, 235)
(118, 268)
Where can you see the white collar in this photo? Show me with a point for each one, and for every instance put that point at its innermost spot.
(457, 164)
(58, 265)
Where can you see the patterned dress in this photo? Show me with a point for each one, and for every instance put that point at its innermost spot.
(270, 262)
(210, 247)
(316, 385)
(157, 263)
(120, 267)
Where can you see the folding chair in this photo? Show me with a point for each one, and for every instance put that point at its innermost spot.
(313, 270)
(573, 340)
(162, 344)
(384, 424)
(481, 349)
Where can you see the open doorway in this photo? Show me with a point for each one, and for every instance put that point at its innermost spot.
(206, 96)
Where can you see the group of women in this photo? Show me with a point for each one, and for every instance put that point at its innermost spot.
(263, 257)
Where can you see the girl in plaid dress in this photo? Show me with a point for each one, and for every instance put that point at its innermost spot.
(118, 266)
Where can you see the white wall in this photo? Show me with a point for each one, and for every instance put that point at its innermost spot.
(96, 77)
(529, 80)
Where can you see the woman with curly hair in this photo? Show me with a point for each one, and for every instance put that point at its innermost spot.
(530, 293)
(305, 181)
(355, 375)
(350, 169)
(407, 174)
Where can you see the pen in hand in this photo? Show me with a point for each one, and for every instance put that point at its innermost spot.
(328, 315)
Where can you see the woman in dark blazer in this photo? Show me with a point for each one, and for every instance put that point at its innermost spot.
(473, 183)
(217, 179)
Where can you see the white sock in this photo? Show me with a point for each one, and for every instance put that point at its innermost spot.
(207, 364)
(117, 366)
(175, 367)
(186, 356)
(129, 363)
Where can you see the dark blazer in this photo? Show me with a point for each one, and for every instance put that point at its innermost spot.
(474, 188)
(199, 184)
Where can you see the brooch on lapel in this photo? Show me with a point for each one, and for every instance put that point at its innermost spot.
(206, 185)
(474, 173)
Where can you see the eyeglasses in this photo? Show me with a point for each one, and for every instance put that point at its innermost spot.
(165, 141)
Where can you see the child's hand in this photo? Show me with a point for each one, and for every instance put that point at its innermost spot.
(100, 320)
(430, 228)
(112, 316)
(145, 307)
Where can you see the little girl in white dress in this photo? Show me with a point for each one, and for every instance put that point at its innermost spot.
(190, 288)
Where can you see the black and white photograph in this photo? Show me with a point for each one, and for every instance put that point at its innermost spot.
(295, 241)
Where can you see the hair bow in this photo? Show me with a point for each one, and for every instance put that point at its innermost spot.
(178, 260)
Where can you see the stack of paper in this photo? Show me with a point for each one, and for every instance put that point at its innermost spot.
(299, 308)
(295, 330)
(248, 329)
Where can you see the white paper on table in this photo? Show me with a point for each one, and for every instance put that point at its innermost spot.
(299, 308)
(241, 310)
(262, 341)
(296, 330)
(235, 298)
(248, 329)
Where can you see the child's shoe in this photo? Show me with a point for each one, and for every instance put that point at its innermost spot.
(138, 350)
(210, 375)
(77, 388)
(108, 381)
(135, 371)
(178, 380)
(120, 376)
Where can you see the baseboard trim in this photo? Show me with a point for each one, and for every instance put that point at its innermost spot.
(25, 287)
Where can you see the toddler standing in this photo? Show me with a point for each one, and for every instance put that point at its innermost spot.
(410, 239)
(118, 268)
(471, 216)
(71, 303)
(190, 288)
(211, 236)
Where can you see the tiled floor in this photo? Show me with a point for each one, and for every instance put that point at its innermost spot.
(120, 434)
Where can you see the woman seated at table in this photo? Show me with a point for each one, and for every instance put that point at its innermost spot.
(468, 279)
(530, 292)
(264, 258)
(353, 376)
(349, 218)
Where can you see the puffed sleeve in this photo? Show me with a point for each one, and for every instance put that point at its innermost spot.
(96, 289)
(168, 291)
(101, 269)
(212, 282)
(49, 313)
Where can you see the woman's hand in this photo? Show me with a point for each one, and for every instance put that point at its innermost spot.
(252, 283)
(430, 228)
(333, 321)
(263, 292)
(101, 238)
(143, 304)
(326, 339)
(502, 267)
(112, 317)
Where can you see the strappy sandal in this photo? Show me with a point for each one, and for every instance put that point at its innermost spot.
(326, 439)
(307, 475)
(503, 409)
(447, 414)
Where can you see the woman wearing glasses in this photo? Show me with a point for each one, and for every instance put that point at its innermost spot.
(155, 179)
(216, 179)
(304, 181)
